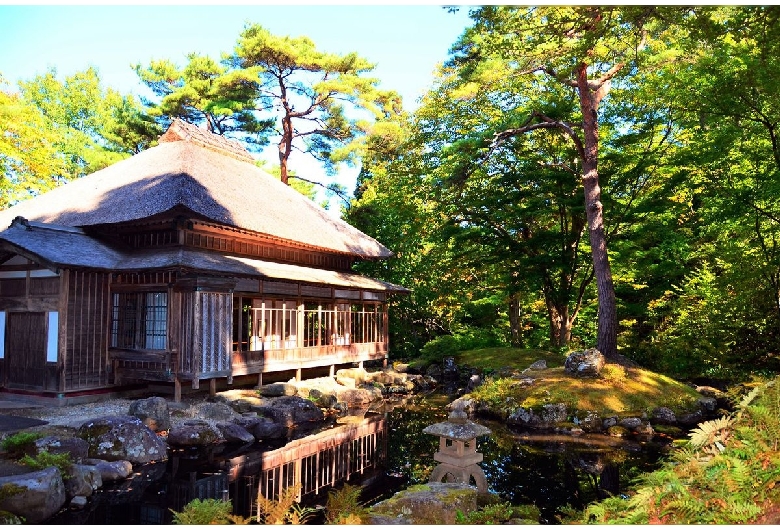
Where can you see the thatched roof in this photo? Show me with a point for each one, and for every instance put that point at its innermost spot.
(206, 174)
(64, 247)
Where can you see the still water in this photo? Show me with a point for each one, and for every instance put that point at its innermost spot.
(385, 451)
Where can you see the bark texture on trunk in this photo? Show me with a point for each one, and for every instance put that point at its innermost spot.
(607, 316)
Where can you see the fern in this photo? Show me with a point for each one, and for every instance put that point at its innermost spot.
(726, 473)
(283, 510)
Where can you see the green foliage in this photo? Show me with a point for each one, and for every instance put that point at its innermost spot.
(490, 514)
(44, 459)
(205, 511)
(284, 510)
(725, 474)
(344, 507)
(19, 442)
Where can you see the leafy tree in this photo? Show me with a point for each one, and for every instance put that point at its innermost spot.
(321, 98)
(29, 160)
(207, 92)
(518, 213)
(584, 49)
(94, 126)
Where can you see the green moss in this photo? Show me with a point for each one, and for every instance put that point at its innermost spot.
(620, 392)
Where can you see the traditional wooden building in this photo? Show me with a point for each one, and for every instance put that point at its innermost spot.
(184, 263)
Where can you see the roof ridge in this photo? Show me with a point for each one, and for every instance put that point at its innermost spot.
(29, 225)
(180, 130)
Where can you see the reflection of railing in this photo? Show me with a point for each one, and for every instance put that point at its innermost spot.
(315, 462)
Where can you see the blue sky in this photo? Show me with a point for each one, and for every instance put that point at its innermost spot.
(406, 42)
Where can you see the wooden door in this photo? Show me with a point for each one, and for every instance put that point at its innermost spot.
(25, 350)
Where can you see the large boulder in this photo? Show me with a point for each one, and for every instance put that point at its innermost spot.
(111, 471)
(351, 376)
(586, 363)
(35, 496)
(433, 503)
(278, 390)
(83, 480)
(289, 411)
(234, 433)
(77, 448)
(122, 438)
(153, 412)
(193, 433)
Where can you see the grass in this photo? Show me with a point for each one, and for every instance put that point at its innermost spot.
(494, 359)
(617, 391)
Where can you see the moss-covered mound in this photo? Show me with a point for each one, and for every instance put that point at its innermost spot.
(618, 390)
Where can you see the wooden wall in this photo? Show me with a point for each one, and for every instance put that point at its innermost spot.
(84, 361)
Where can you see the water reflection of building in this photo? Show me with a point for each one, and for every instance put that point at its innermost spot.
(317, 462)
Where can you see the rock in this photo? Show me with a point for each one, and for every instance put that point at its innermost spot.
(591, 422)
(357, 375)
(153, 412)
(433, 503)
(631, 423)
(708, 404)
(78, 502)
(83, 480)
(267, 429)
(111, 471)
(217, 412)
(554, 413)
(691, 418)
(450, 371)
(587, 363)
(233, 432)
(609, 422)
(77, 448)
(289, 411)
(193, 433)
(474, 381)
(524, 417)
(618, 431)
(541, 364)
(122, 438)
(664, 416)
(352, 397)
(278, 389)
(644, 429)
(39, 495)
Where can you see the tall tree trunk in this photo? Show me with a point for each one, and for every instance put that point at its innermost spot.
(607, 315)
(560, 324)
(285, 147)
(514, 319)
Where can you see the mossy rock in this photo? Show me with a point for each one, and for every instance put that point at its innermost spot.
(434, 503)
(618, 431)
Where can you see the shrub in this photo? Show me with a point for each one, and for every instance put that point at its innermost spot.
(206, 511)
(19, 443)
(343, 506)
(45, 459)
(725, 474)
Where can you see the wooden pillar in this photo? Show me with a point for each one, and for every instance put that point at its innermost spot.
(176, 390)
(298, 374)
(62, 332)
(212, 387)
(332, 370)
(260, 380)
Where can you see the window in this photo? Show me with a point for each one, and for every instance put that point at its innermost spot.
(139, 321)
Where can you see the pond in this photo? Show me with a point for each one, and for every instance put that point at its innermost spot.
(384, 450)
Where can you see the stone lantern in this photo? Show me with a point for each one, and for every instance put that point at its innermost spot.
(457, 452)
